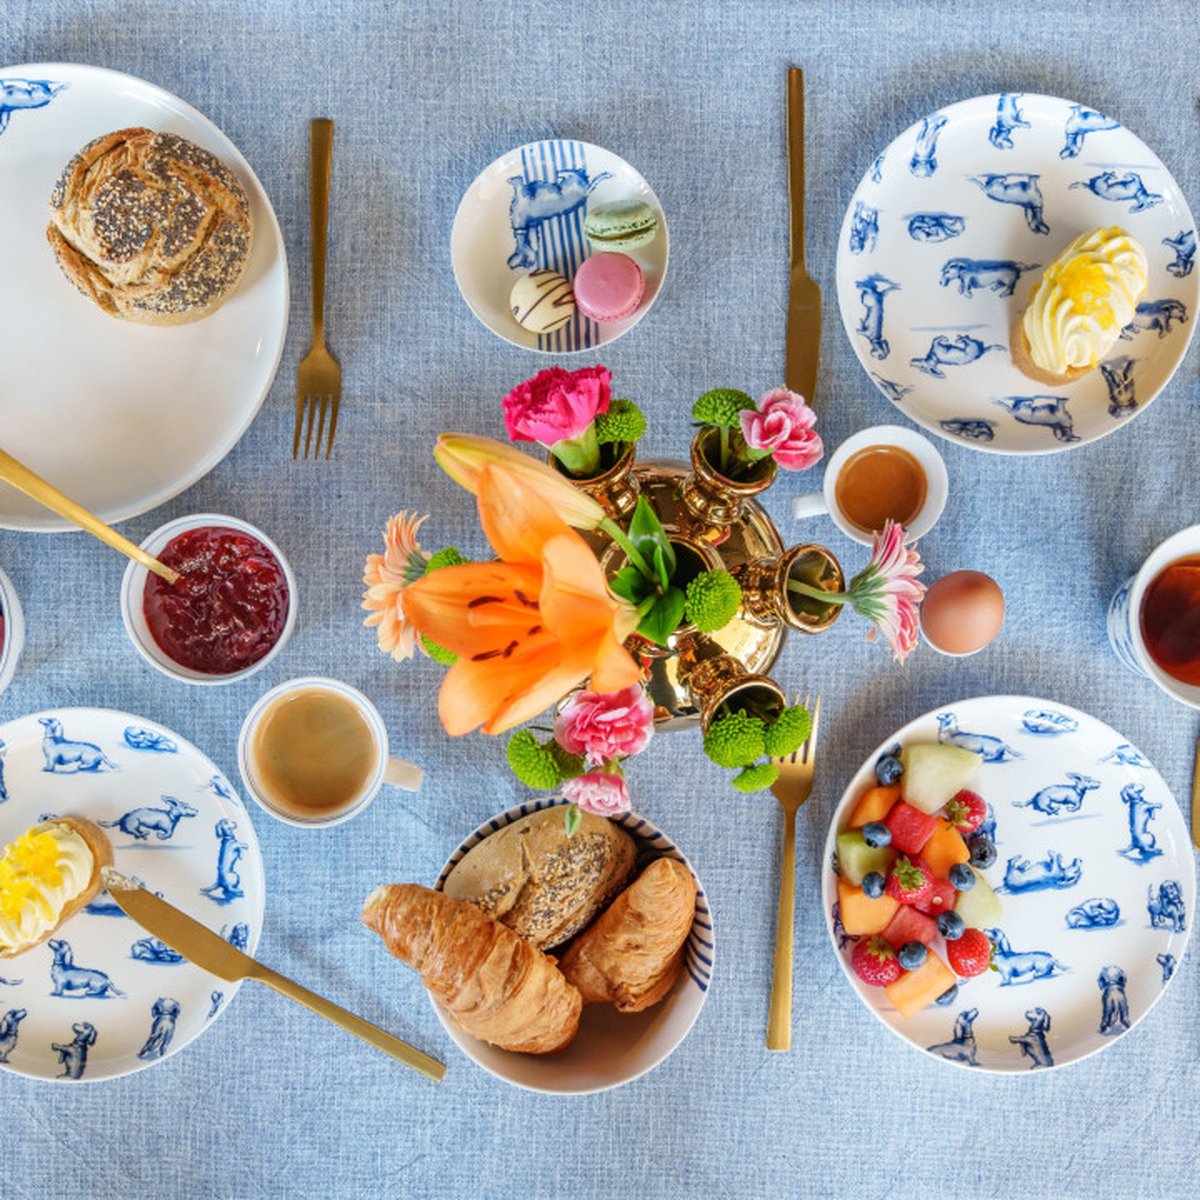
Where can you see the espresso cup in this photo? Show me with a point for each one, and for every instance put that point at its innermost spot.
(382, 769)
(894, 436)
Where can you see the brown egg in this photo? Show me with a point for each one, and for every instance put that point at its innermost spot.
(962, 612)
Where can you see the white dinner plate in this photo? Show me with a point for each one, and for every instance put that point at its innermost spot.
(1094, 869)
(524, 212)
(102, 997)
(120, 416)
(949, 232)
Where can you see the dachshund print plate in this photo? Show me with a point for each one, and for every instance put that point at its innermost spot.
(948, 234)
(120, 416)
(102, 997)
(1094, 871)
(525, 212)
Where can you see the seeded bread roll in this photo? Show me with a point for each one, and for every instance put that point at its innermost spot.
(544, 885)
(150, 227)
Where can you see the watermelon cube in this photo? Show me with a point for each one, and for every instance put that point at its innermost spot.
(910, 827)
(874, 805)
(909, 925)
(940, 900)
(856, 859)
(915, 989)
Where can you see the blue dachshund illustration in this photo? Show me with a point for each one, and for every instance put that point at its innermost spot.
(10, 1025)
(1033, 1041)
(67, 979)
(876, 172)
(150, 949)
(164, 1012)
(1008, 118)
(1102, 912)
(1142, 844)
(3, 786)
(140, 823)
(1021, 875)
(1130, 186)
(10, 982)
(924, 156)
(1184, 245)
(1114, 1006)
(1156, 315)
(147, 739)
(971, 429)
(64, 757)
(74, 1054)
(228, 885)
(105, 906)
(961, 1047)
(1045, 722)
(214, 1004)
(238, 937)
(934, 226)
(839, 930)
(864, 228)
(536, 201)
(1118, 378)
(1166, 907)
(1080, 122)
(1019, 188)
(1167, 962)
(1126, 755)
(895, 392)
(221, 789)
(1061, 797)
(1000, 275)
(18, 94)
(987, 827)
(991, 749)
(1050, 411)
(1021, 967)
(872, 291)
(946, 351)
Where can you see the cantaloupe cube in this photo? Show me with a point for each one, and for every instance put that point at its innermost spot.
(945, 848)
(860, 913)
(874, 804)
(915, 989)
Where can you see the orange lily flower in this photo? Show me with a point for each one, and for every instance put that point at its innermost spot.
(528, 628)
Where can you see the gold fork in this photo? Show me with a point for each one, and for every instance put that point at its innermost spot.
(791, 789)
(319, 378)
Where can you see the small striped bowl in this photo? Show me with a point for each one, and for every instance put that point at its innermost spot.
(611, 1048)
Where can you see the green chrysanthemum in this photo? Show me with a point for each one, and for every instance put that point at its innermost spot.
(756, 778)
(531, 763)
(788, 732)
(624, 422)
(449, 557)
(569, 765)
(712, 600)
(721, 407)
(438, 653)
(735, 740)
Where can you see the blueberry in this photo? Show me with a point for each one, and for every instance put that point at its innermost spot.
(873, 884)
(876, 833)
(983, 851)
(947, 997)
(888, 767)
(912, 955)
(962, 877)
(950, 926)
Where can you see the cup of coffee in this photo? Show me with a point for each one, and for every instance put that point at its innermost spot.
(314, 751)
(881, 472)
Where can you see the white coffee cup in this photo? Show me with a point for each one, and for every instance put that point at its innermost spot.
(386, 769)
(921, 448)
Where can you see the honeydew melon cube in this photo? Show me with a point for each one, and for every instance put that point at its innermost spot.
(856, 859)
(980, 908)
(933, 773)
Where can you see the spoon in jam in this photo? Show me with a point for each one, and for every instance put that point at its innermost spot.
(24, 480)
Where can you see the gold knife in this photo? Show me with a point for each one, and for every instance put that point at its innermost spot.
(1196, 797)
(804, 296)
(215, 955)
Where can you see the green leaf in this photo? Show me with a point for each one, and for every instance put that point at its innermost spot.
(663, 618)
(660, 565)
(572, 820)
(630, 584)
(646, 532)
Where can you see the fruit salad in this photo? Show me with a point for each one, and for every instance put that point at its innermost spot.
(910, 886)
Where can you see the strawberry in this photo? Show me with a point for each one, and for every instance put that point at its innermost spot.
(875, 962)
(971, 954)
(941, 898)
(966, 812)
(909, 882)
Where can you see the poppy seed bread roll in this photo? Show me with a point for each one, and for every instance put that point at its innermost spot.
(150, 227)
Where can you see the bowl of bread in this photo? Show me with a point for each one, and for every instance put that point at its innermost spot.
(564, 963)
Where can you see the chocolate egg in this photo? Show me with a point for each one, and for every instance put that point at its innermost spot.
(962, 612)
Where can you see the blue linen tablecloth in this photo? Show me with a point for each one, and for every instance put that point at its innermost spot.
(276, 1103)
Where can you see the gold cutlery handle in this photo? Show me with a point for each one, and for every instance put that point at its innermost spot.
(795, 137)
(409, 1055)
(779, 1023)
(320, 132)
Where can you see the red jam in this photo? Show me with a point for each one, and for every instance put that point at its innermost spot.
(228, 607)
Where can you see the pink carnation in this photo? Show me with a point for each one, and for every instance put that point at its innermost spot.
(556, 405)
(604, 795)
(782, 425)
(606, 725)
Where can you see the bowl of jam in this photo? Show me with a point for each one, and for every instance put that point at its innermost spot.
(229, 613)
(12, 631)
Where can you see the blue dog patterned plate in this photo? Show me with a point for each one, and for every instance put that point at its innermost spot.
(1094, 870)
(102, 997)
(948, 234)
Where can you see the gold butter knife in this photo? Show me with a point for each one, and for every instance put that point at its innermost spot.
(215, 955)
(1196, 797)
(804, 296)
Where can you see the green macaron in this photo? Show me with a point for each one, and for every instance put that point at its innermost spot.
(622, 225)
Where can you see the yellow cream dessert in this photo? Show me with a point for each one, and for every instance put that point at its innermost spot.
(46, 876)
(1085, 298)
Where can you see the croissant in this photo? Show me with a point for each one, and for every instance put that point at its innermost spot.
(496, 986)
(633, 952)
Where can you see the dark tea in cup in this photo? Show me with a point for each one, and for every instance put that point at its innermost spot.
(1170, 620)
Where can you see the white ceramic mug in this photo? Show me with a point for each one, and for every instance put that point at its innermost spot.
(1124, 615)
(14, 631)
(921, 448)
(394, 771)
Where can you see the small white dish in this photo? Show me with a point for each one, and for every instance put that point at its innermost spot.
(525, 211)
(611, 1048)
(14, 631)
(133, 586)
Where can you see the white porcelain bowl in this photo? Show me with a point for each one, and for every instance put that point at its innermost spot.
(611, 1048)
(133, 587)
(14, 631)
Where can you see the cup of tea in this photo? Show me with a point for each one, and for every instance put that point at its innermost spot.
(1154, 618)
(314, 752)
(881, 472)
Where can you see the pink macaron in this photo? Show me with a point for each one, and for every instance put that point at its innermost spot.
(608, 287)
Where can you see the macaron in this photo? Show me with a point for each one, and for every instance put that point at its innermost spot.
(542, 301)
(621, 225)
(608, 287)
